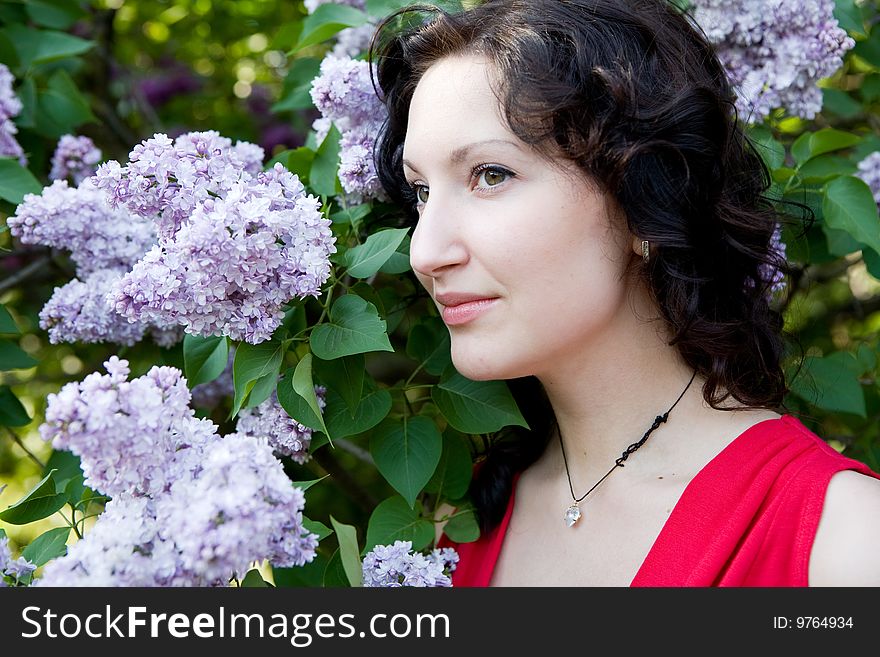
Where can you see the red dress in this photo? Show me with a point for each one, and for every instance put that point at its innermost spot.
(748, 518)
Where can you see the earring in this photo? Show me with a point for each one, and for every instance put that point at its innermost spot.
(646, 250)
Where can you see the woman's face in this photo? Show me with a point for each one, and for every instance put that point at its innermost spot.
(497, 222)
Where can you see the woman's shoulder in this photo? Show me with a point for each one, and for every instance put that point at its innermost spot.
(845, 550)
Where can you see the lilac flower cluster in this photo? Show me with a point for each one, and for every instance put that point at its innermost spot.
(75, 158)
(286, 436)
(769, 273)
(189, 507)
(240, 507)
(10, 106)
(869, 171)
(344, 94)
(131, 436)
(166, 180)
(775, 52)
(79, 312)
(16, 569)
(397, 565)
(235, 243)
(352, 41)
(80, 220)
(104, 243)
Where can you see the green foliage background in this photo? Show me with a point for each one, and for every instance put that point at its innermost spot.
(404, 425)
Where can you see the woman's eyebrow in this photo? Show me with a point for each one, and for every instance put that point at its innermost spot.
(460, 154)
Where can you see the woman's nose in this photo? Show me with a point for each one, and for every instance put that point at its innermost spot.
(438, 242)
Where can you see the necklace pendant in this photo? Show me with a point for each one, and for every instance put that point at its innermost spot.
(572, 515)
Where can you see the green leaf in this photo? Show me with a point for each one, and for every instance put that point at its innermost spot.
(334, 574)
(849, 205)
(254, 580)
(321, 530)
(58, 14)
(308, 575)
(840, 103)
(256, 363)
(304, 387)
(204, 358)
(394, 520)
(344, 375)
(322, 175)
(300, 161)
(866, 356)
(298, 85)
(326, 21)
(840, 243)
(305, 485)
(12, 413)
(475, 406)
(811, 144)
(825, 167)
(830, 383)
(372, 409)
(73, 489)
(16, 181)
(365, 259)
(42, 46)
(61, 107)
(295, 405)
(7, 324)
(349, 552)
(47, 546)
(13, 358)
(352, 215)
(407, 453)
(453, 474)
(382, 8)
(849, 16)
(770, 150)
(870, 89)
(869, 49)
(462, 527)
(872, 262)
(429, 343)
(41, 502)
(398, 263)
(354, 328)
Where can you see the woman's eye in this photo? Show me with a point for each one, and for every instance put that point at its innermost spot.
(421, 193)
(492, 177)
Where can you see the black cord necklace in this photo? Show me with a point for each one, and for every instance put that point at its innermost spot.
(573, 512)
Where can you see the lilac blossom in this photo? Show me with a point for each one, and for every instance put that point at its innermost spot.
(80, 220)
(235, 262)
(241, 507)
(166, 180)
(10, 106)
(75, 158)
(869, 171)
(775, 52)
(190, 508)
(397, 565)
(343, 92)
(352, 41)
(79, 312)
(20, 568)
(133, 437)
(286, 436)
(123, 548)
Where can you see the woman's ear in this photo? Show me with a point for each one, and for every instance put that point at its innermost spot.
(637, 246)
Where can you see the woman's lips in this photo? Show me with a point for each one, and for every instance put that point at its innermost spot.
(467, 311)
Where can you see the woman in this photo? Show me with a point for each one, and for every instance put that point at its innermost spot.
(589, 223)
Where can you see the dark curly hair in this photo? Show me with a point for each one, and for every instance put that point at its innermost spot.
(632, 93)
